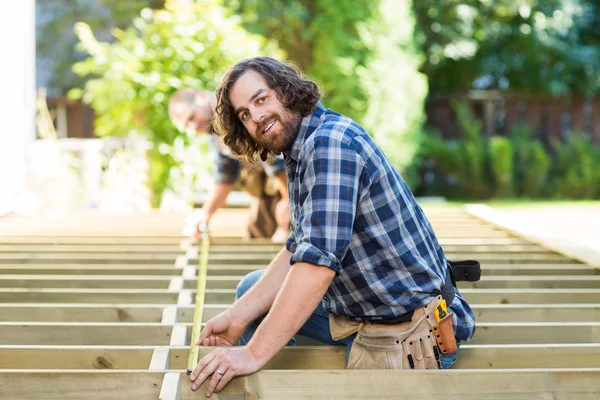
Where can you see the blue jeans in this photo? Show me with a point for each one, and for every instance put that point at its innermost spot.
(316, 327)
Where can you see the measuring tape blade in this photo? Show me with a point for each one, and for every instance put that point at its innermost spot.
(200, 288)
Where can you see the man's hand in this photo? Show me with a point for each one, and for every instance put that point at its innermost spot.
(222, 330)
(196, 224)
(223, 365)
(282, 214)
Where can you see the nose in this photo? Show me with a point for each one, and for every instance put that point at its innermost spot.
(257, 115)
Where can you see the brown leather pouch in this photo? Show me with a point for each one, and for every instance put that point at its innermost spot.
(445, 335)
(408, 345)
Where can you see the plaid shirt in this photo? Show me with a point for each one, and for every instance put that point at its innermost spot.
(351, 211)
(228, 167)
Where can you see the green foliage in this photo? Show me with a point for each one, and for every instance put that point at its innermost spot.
(531, 161)
(180, 46)
(463, 160)
(501, 165)
(322, 37)
(395, 88)
(548, 46)
(519, 165)
(362, 54)
(56, 42)
(576, 173)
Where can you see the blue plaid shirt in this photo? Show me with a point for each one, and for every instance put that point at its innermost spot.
(351, 211)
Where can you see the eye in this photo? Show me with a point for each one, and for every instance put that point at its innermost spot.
(262, 99)
(244, 115)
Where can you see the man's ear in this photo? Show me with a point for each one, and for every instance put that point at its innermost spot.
(263, 155)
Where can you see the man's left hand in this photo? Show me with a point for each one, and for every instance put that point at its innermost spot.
(223, 365)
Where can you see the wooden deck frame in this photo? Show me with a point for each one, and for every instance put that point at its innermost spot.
(162, 360)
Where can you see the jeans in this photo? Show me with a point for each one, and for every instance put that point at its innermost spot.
(316, 327)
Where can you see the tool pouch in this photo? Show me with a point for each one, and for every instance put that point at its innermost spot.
(408, 345)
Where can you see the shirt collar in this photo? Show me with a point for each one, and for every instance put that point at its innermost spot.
(307, 127)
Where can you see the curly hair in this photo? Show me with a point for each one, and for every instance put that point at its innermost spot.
(293, 90)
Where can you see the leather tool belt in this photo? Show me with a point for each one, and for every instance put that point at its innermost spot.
(415, 340)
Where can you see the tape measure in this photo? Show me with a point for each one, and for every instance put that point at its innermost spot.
(199, 307)
(441, 311)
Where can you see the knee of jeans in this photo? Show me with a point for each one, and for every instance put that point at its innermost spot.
(247, 282)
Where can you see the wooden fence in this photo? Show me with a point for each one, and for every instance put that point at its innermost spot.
(72, 118)
(499, 112)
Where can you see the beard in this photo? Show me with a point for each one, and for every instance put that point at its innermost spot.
(287, 124)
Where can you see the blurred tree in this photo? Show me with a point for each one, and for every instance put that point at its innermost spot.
(548, 46)
(322, 37)
(362, 54)
(181, 46)
(56, 42)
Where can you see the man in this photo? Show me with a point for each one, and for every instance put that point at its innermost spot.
(269, 215)
(362, 266)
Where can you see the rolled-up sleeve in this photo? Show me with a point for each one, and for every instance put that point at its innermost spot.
(328, 196)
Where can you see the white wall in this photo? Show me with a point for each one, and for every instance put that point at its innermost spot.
(17, 97)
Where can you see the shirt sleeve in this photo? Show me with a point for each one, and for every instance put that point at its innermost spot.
(227, 169)
(330, 178)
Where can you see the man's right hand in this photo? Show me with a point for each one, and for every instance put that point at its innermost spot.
(221, 330)
(196, 224)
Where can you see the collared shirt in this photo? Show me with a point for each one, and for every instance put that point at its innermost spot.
(228, 167)
(351, 211)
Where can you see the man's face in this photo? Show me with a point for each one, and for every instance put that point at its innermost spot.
(196, 117)
(272, 126)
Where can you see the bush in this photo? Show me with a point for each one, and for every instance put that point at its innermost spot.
(531, 162)
(184, 45)
(576, 173)
(462, 160)
(501, 165)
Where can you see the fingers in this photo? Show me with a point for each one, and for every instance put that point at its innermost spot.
(206, 367)
(220, 378)
(206, 332)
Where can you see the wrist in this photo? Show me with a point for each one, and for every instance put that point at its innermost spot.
(260, 358)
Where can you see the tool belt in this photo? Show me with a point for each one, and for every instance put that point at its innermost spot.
(415, 340)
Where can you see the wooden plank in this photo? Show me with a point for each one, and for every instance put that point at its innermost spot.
(75, 385)
(533, 282)
(537, 332)
(89, 240)
(90, 269)
(87, 312)
(39, 333)
(92, 282)
(90, 248)
(38, 312)
(75, 357)
(296, 358)
(108, 296)
(529, 296)
(536, 313)
(559, 384)
(73, 258)
(539, 269)
(388, 385)
(28, 333)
